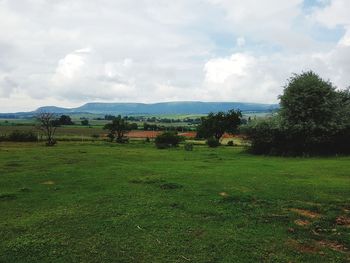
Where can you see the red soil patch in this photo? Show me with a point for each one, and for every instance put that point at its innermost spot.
(153, 134)
(188, 134)
(343, 221)
(332, 245)
(143, 134)
(303, 248)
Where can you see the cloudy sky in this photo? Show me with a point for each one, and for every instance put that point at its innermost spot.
(65, 53)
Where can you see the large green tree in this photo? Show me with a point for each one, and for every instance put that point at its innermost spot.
(309, 103)
(216, 124)
(314, 118)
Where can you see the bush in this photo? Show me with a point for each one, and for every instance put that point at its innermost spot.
(22, 136)
(264, 136)
(188, 146)
(147, 140)
(212, 142)
(122, 140)
(85, 122)
(270, 137)
(230, 143)
(167, 139)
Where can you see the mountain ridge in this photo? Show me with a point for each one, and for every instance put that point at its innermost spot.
(176, 107)
(131, 108)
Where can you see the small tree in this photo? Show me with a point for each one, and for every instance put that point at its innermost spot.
(65, 120)
(85, 122)
(216, 124)
(47, 125)
(117, 128)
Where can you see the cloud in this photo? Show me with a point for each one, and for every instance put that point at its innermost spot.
(7, 86)
(240, 41)
(71, 52)
(249, 78)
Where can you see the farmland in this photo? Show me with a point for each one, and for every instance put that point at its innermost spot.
(106, 202)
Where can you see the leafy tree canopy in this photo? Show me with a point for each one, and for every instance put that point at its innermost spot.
(216, 124)
(117, 128)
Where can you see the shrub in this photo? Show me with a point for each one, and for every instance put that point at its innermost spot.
(85, 122)
(264, 136)
(147, 140)
(122, 140)
(167, 139)
(188, 146)
(230, 143)
(212, 142)
(22, 136)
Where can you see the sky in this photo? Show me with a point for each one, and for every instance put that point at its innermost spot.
(67, 53)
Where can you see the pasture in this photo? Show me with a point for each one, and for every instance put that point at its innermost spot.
(104, 202)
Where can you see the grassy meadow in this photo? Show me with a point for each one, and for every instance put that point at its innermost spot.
(104, 202)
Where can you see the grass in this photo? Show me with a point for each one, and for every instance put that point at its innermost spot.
(101, 202)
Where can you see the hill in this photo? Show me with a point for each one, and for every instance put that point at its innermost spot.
(181, 107)
(191, 107)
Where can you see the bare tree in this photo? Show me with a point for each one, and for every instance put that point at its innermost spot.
(47, 125)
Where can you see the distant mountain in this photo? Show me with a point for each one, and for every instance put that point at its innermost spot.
(180, 107)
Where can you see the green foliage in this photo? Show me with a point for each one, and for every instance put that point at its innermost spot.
(122, 140)
(117, 129)
(216, 124)
(23, 136)
(85, 122)
(63, 120)
(265, 135)
(213, 142)
(310, 105)
(20, 136)
(314, 119)
(133, 126)
(167, 139)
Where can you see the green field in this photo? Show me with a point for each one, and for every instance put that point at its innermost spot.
(103, 202)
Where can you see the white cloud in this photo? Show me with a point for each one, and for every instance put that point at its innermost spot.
(240, 41)
(333, 14)
(218, 70)
(70, 52)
